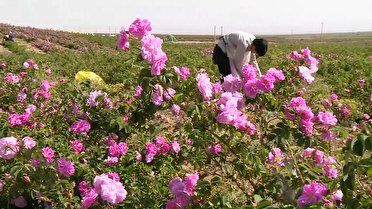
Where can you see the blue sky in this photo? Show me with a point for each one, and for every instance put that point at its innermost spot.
(192, 16)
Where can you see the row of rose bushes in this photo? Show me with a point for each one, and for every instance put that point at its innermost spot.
(263, 141)
(52, 40)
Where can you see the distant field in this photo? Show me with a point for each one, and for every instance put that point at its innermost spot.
(334, 37)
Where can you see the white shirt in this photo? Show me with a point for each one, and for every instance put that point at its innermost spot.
(237, 46)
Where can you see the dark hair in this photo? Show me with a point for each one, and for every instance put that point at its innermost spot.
(261, 46)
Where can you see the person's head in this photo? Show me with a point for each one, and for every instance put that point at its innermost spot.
(260, 46)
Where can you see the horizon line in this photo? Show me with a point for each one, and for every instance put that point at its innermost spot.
(199, 34)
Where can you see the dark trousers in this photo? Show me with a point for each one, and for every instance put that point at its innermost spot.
(222, 61)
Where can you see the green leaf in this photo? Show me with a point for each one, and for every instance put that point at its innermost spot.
(264, 204)
(368, 143)
(257, 198)
(215, 180)
(14, 171)
(349, 181)
(357, 145)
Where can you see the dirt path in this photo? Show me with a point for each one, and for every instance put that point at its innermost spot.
(28, 46)
(4, 50)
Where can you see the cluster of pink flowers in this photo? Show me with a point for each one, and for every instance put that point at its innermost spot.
(297, 108)
(159, 94)
(117, 149)
(92, 100)
(231, 101)
(161, 146)
(123, 41)
(11, 78)
(15, 119)
(253, 86)
(8, 147)
(30, 64)
(215, 148)
(183, 72)
(80, 127)
(231, 84)
(231, 105)
(107, 186)
(311, 193)
(151, 46)
(276, 157)
(152, 52)
(204, 85)
(140, 28)
(328, 163)
(44, 90)
(304, 71)
(65, 167)
(183, 190)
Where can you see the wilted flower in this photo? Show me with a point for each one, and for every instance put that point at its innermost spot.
(111, 160)
(275, 156)
(175, 109)
(19, 201)
(361, 83)
(2, 66)
(1, 186)
(157, 95)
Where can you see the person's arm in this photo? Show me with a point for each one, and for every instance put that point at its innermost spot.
(253, 61)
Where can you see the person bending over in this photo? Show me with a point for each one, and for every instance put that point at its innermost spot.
(236, 49)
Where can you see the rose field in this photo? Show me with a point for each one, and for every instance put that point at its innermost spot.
(137, 120)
